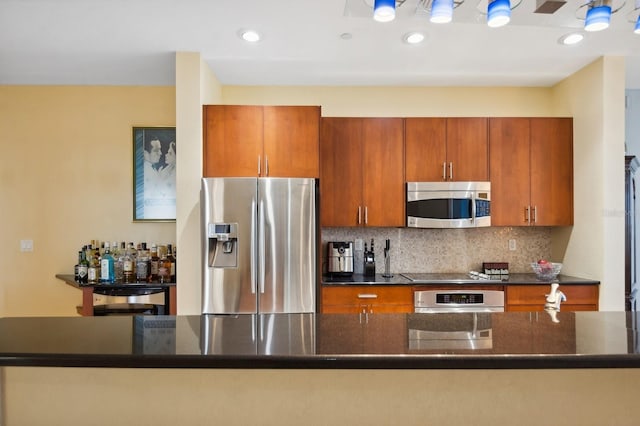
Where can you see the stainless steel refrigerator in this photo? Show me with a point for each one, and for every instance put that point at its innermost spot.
(259, 245)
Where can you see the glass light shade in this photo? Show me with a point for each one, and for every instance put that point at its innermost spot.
(441, 11)
(598, 18)
(384, 10)
(637, 28)
(498, 13)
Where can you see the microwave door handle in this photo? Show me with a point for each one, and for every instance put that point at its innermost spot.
(473, 208)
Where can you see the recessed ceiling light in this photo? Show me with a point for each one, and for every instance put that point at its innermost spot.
(413, 37)
(249, 35)
(569, 39)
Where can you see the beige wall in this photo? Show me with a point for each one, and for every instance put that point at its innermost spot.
(195, 86)
(594, 246)
(66, 178)
(400, 101)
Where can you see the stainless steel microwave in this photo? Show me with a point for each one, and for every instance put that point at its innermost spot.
(448, 204)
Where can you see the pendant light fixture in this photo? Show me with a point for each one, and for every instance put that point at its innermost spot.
(598, 16)
(498, 13)
(384, 10)
(441, 11)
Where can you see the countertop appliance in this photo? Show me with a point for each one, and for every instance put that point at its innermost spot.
(455, 301)
(448, 204)
(258, 245)
(340, 258)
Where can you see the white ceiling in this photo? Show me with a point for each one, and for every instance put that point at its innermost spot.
(132, 42)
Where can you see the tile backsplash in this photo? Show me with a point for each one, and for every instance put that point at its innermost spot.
(446, 250)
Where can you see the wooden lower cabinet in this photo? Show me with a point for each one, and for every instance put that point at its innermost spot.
(531, 297)
(367, 299)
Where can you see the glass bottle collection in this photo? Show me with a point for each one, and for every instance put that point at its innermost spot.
(109, 263)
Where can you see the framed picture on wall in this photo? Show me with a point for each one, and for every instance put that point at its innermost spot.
(154, 174)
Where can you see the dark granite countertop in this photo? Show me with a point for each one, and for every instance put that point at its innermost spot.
(508, 340)
(451, 278)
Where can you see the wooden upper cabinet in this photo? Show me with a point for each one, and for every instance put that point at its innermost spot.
(531, 171)
(291, 141)
(510, 179)
(361, 176)
(232, 140)
(425, 149)
(340, 171)
(468, 149)
(446, 149)
(383, 172)
(552, 171)
(278, 141)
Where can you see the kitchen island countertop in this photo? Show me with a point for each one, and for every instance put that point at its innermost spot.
(511, 340)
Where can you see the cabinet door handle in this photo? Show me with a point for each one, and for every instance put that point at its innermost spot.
(527, 214)
(366, 215)
(535, 214)
(367, 296)
(359, 215)
(444, 170)
(266, 165)
(451, 170)
(259, 163)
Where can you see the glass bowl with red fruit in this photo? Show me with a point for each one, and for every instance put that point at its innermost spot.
(545, 270)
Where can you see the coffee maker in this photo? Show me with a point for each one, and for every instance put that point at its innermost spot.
(340, 259)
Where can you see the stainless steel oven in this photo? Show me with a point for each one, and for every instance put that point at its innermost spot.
(448, 204)
(434, 301)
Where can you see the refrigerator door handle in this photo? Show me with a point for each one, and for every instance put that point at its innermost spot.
(253, 247)
(261, 245)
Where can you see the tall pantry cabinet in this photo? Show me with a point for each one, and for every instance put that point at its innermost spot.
(274, 141)
(362, 172)
(531, 171)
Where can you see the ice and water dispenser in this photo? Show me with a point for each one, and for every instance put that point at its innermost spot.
(223, 245)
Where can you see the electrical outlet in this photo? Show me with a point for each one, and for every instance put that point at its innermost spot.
(512, 245)
(26, 245)
(359, 245)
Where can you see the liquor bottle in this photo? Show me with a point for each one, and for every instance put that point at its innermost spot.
(143, 268)
(132, 250)
(128, 267)
(76, 277)
(154, 262)
(83, 268)
(93, 271)
(107, 267)
(172, 264)
(118, 261)
(115, 250)
(164, 265)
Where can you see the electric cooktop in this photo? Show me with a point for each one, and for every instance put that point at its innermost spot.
(450, 278)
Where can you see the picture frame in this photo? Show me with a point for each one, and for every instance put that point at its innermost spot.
(154, 174)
